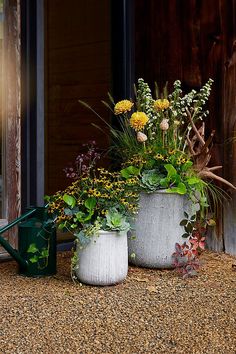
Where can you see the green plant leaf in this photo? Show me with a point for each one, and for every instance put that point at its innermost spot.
(193, 180)
(183, 222)
(44, 253)
(116, 221)
(186, 166)
(182, 188)
(34, 259)
(68, 211)
(69, 200)
(73, 226)
(150, 180)
(61, 226)
(82, 238)
(150, 163)
(32, 248)
(196, 207)
(170, 170)
(129, 172)
(90, 203)
(164, 182)
(80, 216)
(188, 228)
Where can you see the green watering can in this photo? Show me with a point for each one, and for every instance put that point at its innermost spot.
(36, 254)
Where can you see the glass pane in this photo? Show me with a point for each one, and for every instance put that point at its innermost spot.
(1, 102)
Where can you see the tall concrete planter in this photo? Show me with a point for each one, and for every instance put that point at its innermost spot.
(104, 261)
(157, 229)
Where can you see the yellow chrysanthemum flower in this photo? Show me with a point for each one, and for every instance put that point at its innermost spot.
(161, 104)
(123, 107)
(138, 121)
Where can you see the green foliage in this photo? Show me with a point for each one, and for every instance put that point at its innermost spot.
(32, 248)
(69, 200)
(154, 153)
(116, 221)
(180, 189)
(90, 203)
(87, 205)
(151, 180)
(130, 171)
(38, 255)
(82, 238)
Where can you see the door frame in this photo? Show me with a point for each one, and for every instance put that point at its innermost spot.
(23, 109)
(12, 115)
(32, 100)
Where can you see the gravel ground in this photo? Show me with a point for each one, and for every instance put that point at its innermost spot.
(151, 312)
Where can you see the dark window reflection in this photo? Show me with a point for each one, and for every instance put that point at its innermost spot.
(1, 100)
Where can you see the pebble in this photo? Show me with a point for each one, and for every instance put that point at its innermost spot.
(152, 312)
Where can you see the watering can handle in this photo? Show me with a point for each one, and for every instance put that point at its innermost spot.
(16, 221)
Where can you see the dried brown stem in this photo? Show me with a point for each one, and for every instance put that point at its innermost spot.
(208, 174)
(201, 153)
(201, 140)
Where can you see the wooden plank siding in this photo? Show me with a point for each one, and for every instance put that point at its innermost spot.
(78, 67)
(12, 115)
(193, 40)
(229, 118)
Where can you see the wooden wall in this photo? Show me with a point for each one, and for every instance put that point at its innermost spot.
(78, 67)
(12, 115)
(190, 40)
(193, 40)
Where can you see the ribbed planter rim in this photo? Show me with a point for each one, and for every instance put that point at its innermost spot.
(161, 191)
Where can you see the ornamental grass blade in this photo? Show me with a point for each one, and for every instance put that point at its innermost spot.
(107, 105)
(110, 97)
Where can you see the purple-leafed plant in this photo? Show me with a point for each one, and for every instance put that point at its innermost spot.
(185, 260)
(186, 255)
(84, 162)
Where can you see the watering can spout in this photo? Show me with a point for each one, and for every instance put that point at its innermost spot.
(14, 253)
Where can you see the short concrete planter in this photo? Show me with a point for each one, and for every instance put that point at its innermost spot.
(157, 229)
(104, 261)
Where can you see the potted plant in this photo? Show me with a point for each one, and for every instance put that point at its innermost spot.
(97, 209)
(161, 142)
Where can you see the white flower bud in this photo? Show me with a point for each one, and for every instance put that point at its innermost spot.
(164, 125)
(141, 137)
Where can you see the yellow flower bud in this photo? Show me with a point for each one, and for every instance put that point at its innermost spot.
(160, 105)
(138, 120)
(123, 107)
